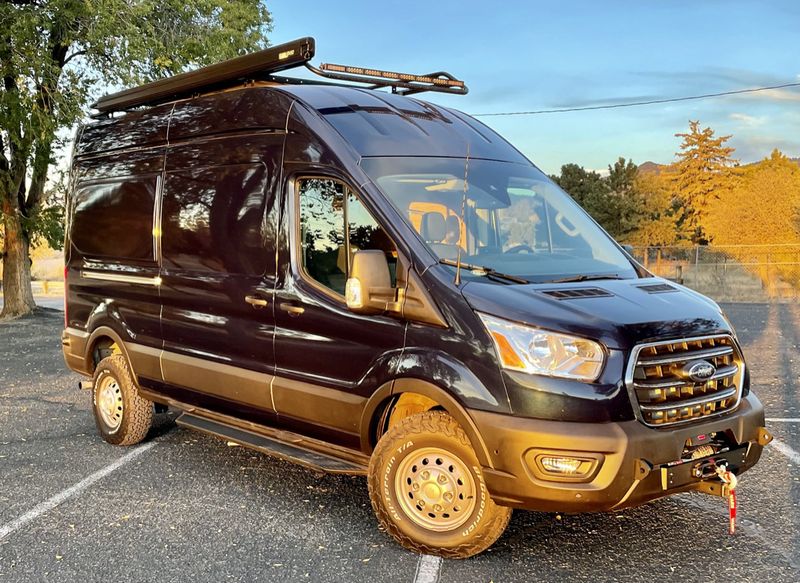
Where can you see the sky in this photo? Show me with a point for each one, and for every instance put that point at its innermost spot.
(522, 56)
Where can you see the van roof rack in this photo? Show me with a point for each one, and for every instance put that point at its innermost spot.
(260, 66)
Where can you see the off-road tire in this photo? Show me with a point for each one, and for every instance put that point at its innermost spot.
(137, 412)
(432, 429)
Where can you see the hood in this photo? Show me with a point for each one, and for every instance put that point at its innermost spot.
(618, 313)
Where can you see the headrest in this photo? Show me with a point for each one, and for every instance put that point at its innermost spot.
(433, 227)
(454, 226)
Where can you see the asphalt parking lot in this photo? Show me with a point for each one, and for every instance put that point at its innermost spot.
(185, 507)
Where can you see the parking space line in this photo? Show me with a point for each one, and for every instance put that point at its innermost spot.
(428, 569)
(786, 450)
(783, 419)
(73, 490)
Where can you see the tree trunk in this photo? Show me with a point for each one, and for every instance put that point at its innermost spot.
(17, 293)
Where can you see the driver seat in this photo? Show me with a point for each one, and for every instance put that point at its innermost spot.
(434, 230)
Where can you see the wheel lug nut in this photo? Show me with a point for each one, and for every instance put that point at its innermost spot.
(441, 479)
(415, 486)
(425, 475)
(437, 507)
(448, 496)
(422, 503)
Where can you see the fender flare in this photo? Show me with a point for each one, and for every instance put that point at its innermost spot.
(97, 333)
(447, 401)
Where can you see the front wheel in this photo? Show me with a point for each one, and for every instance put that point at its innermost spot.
(428, 491)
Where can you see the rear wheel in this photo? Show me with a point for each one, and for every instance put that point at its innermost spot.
(427, 489)
(121, 415)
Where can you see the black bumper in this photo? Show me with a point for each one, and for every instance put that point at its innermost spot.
(629, 458)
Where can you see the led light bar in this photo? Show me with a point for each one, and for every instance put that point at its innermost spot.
(438, 79)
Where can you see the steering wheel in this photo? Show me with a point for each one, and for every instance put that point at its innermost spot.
(520, 248)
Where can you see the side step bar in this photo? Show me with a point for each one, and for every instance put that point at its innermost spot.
(283, 444)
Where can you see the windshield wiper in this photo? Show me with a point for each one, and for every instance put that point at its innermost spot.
(481, 270)
(575, 278)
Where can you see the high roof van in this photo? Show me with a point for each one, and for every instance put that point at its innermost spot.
(363, 282)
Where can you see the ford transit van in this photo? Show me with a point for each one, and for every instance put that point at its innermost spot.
(363, 282)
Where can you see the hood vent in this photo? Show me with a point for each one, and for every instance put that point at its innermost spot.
(657, 288)
(577, 293)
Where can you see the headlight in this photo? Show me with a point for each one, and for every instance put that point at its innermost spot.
(536, 351)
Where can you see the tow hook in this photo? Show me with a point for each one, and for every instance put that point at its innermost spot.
(764, 437)
(87, 385)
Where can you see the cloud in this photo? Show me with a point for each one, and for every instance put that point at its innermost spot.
(748, 120)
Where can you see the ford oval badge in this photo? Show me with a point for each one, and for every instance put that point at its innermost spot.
(699, 370)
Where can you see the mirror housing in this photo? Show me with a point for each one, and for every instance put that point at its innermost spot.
(369, 288)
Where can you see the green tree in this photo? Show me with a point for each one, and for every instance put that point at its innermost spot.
(587, 187)
(54, 55)
(613, 201)
(703, 171)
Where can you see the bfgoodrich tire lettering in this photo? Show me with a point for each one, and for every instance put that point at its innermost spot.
(428, 491)
(121, 415)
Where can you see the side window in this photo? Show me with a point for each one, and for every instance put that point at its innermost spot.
(212, 220)
(115, 219)
(334, 225)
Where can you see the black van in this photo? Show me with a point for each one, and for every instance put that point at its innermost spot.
(362, 282)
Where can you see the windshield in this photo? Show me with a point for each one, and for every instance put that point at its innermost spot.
(513, 218)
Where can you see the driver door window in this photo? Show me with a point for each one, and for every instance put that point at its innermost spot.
(334, 224)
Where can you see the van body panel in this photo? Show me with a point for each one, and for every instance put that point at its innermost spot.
(137, 129)
(380, 124)
(242, 110)
(217, 249)
(622, 318)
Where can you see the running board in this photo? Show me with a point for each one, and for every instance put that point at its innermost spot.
(282, 444)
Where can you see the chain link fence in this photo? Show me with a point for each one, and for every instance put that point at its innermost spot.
(730, 273)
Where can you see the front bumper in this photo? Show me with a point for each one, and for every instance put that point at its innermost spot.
(629, 458)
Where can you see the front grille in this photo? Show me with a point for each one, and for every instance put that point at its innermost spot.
(667, 395)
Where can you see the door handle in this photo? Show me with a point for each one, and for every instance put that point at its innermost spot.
(292, 309)
(256, 301)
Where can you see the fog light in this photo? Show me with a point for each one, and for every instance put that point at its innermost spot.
(566, 466)
(558, 466)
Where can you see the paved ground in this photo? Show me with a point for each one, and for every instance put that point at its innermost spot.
(190, 508)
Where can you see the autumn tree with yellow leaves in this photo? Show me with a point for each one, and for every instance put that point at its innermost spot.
(703, 172)
(761, 209)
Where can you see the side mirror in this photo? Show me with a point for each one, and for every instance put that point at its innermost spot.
(369, 288)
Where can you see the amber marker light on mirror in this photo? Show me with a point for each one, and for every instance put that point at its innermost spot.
(535, 351)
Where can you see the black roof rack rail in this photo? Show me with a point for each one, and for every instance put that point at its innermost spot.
(260, 66)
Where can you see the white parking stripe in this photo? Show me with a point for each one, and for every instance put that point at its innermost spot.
(783, 419)
(74, 490)
(793, 456)
(428, 569)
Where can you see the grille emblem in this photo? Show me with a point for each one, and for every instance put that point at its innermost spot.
(698, 370)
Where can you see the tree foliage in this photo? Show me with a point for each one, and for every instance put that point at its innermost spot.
(761, 209)
(703, 172)
(633, 207)
(55, 55)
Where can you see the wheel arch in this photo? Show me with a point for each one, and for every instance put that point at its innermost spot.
(98, 338)
(384, 399)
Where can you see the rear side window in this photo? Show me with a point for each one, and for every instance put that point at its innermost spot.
(115, 219)
(212, 219)
(334, 224)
